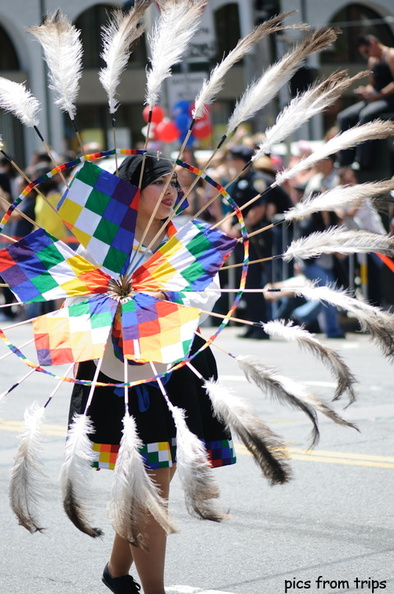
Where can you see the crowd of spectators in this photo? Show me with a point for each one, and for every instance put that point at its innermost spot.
(333, 270)
(232, 168)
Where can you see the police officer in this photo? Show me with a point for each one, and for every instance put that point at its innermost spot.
(250, 183)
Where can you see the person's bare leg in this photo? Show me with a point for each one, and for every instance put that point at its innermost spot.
(150, 564)
(121, 557)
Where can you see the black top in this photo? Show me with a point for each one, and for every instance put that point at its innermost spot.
(381, 75)
(247, 187)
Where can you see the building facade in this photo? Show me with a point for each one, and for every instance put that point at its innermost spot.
(223, 22)
(21, 61)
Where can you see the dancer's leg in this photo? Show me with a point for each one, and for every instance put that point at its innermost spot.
(150, 564)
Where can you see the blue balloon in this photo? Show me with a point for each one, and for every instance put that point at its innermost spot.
(181, 107)
(182, 122)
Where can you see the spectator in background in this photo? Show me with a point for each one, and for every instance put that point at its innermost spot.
(323, 269)
(45, 214)
(375, 98)
(295, 186)
(18, 226)
(8, 176)
(364, 217)
(278, 201)
(248, 184)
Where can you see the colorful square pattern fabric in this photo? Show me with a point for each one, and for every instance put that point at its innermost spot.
(106, 454)
(100, 209)
(154, 330)
(163, 454)
(186, 262)
(76, 333)
(40, 267)
(221, 453)
(155, 455)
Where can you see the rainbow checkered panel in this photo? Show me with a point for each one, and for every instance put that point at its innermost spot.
(40, 267)
(76, 333)
(155, 455)
(154, 330)
(100, 209)
(188, 261)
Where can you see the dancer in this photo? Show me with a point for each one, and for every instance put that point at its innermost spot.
(155, 425)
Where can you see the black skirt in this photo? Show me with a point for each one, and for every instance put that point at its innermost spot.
(154, 421)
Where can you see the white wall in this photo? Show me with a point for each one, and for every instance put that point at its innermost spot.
(15, 17)
(319, 12)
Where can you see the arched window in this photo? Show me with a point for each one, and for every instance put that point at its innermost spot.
(90, 23)
(353, 20)
(227, 28)
(8, 57)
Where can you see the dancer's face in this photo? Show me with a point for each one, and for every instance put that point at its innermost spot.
(152, 193)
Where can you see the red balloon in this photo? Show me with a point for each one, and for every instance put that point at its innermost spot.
(167, 131)
(158, 114)
(202, 130)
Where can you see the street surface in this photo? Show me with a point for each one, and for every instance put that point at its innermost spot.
(330, 530)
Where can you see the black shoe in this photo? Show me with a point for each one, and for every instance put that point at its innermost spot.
(255, 334)
(121, 585)
(247, 332)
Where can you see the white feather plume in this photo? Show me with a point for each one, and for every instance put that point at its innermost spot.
(303, 107)
(172, 32)
(289, 392)
(76, 472)
(214, 83)
(339, 240)
(195, 471)
(259, 93)
(15, 98)
(289, 332)
(27, 476)
(266, 447)
(339, 197)
(350, 138)
(134, 494)
(62, 47)
(379, 323)
(118, 37)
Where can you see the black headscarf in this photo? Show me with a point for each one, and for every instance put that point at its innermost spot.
(154, 167)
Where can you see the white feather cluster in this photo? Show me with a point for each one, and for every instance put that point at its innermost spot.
(258, 94)
(379, 323)
(62, 48)
(266, 447)
(27, 476)
(289, 332)
(134, 494)
(339, 240)
(350, 138)
(15, 98)
(214, 83)
(118, 36)
(195, 471)
(172, 32)
(339, 197)
(75, 474)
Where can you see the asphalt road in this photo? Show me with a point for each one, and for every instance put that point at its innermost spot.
(330, 530)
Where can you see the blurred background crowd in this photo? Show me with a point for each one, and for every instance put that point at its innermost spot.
(223, 23)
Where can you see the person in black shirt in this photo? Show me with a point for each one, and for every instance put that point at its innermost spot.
(249, 184)
(376, 98)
